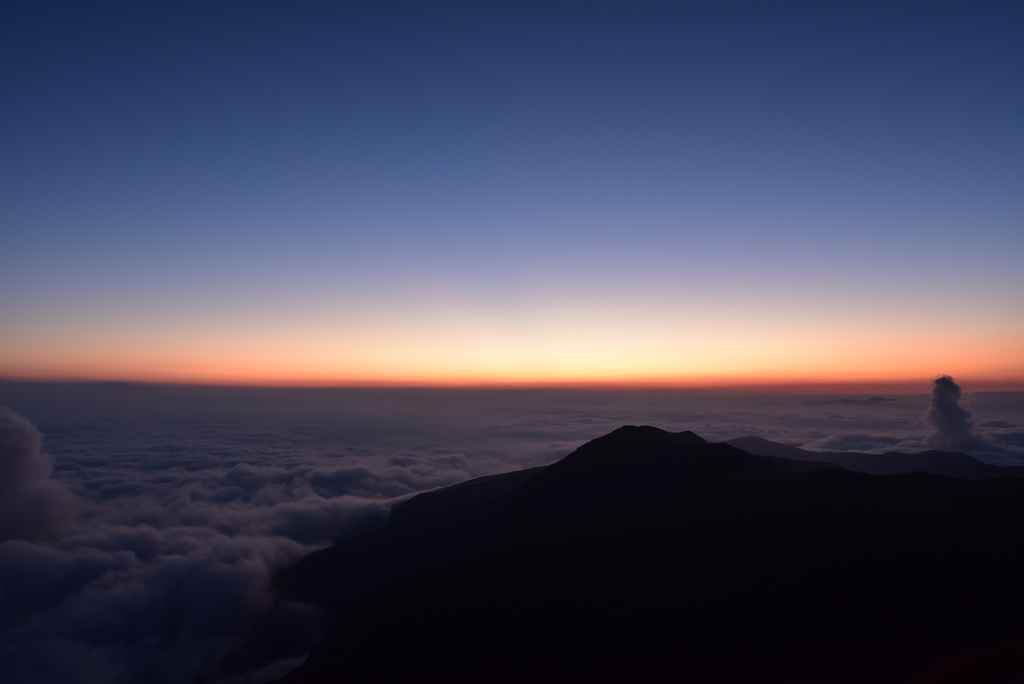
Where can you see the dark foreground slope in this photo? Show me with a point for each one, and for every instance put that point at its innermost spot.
(645, 556)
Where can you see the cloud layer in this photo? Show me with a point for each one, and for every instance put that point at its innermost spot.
(142, 526)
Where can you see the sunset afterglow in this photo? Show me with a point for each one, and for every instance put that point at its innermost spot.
(755, 208)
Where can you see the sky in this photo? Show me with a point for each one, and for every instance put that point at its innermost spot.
(512, 193)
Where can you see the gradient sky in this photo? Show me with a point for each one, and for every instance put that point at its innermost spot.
(260, 192)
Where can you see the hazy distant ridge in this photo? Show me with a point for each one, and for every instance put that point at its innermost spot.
(952, 464)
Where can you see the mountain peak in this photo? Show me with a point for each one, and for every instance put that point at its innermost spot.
(637, 462)
(648, 434)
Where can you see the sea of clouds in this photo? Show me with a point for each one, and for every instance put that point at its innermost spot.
(140, 525)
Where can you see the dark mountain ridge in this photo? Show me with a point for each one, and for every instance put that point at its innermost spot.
(949, 463)
(628, 465)
(650, 556)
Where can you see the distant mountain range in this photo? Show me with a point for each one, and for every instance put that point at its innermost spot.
(952, 464)
(651, 556)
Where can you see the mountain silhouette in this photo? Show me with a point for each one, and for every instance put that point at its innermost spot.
(950, 463)
(629, 464)
(652, 556)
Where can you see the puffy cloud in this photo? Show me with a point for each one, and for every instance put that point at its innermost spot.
(952, 427)
(31, 506)
(192, 606)
(163, 574)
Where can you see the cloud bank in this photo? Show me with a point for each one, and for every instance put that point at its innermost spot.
(158, 568)
(31, 506)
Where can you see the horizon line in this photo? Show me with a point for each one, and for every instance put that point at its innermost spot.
(829, 386)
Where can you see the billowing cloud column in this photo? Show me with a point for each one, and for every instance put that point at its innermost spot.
(951, 424)
(32, 507)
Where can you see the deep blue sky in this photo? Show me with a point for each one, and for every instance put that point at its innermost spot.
(501, 190)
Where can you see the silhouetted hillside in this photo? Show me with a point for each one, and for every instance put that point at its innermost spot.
(453, 498)
(648, 556)
(433, 528)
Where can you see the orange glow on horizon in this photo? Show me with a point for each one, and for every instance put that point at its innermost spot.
(583, 353)
(836, 384)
